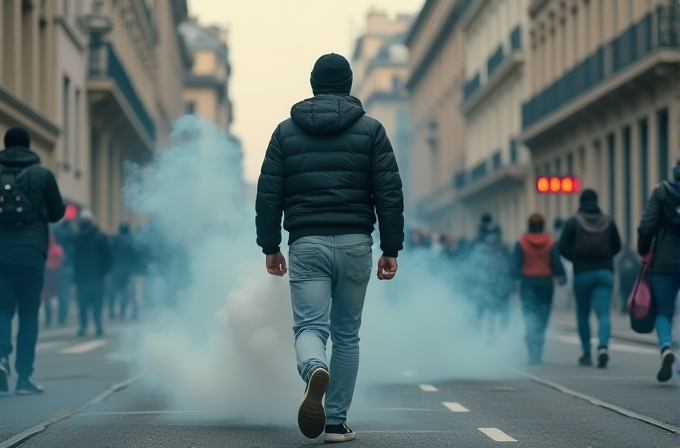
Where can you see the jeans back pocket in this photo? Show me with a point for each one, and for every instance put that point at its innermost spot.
(358, 264)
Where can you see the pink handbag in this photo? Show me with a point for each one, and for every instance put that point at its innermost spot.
(641, 306)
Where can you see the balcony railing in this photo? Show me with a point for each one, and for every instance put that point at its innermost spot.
(105, 63)
(479, 171)
(460, 179)
(658, 29)
(495, 60)
(497, 160)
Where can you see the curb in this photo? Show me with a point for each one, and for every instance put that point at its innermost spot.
(22, 437)
(615, 335)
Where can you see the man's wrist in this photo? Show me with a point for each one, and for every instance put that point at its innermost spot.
(271, 250)
(390, 254)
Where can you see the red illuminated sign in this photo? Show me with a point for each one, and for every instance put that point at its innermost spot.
(554, 184)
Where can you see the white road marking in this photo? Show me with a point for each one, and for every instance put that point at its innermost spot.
(497, 435)
(49, 345)
(574, 340)
(408, 373)
(428, 388)
(83, 348)
(455, 407)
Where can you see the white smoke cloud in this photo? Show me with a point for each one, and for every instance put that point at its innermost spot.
(216, 334)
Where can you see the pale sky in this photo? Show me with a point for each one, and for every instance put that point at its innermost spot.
(273, 45)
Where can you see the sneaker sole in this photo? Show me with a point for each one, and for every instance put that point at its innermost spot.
(666, 372)
(602, 360)
(339, 438)
(4, 384)
(312, 415)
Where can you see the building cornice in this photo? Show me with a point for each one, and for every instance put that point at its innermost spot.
(472, 13)
(420, 21)
(48, 130)
(536, 6)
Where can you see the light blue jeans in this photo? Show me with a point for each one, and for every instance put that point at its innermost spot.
(665, 289)
(593, 290)
(328, 280)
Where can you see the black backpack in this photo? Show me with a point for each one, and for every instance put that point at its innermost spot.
(16, 209)
(671, 210)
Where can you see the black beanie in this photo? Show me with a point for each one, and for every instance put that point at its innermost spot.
(331, 74)
(17, 136)
(588, 196)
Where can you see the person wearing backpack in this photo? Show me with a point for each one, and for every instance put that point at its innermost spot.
(659, 232)
(590, 240)
(536, 260)
(29, 200)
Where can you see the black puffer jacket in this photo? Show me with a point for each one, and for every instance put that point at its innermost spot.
(92, 255)
(44, 195)
(330, 169)
(667, 248)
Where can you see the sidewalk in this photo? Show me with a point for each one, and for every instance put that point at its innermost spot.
(566, 320)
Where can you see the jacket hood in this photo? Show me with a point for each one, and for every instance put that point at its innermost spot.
(672, 188)
(536, 240)
(593, 222)
(18, 156)
(327, 114)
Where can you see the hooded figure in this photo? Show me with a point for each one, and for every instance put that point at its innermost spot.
(24, 240)
(537, 261)
(590, 240)
(659, 239)
(329, 170)
(92, 262)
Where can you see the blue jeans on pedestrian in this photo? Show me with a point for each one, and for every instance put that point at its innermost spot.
(665, 289)
(328, 280)
(593, 290)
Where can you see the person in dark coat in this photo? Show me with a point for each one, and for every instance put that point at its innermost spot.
(536, 259)
(590, 240)
(92, 262)
(66, 233)
(629, 265)
(659, 232)
(329, 169)
(126, 259)
(23, 252)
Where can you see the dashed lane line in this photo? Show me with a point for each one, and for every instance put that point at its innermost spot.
(603, 404)
(83, 348)
(497, 435)
(455, 407)
(428, 388)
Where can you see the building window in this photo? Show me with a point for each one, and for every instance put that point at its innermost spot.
(66, 125)
(644, 164)
(190, 107)
(663, 144)
(611, 148)
(627, 175)
(76, 134)
(570, 164)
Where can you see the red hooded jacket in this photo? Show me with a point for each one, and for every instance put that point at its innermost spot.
(537, 249)
(55, 254)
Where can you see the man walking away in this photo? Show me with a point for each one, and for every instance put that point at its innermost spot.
(329, 168)
(30, 199)
(92, 261)
(629, 266)
(660, 231)
(537, 261)
(125, 259)
(590, 240)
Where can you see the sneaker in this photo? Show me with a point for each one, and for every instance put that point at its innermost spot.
(666, 371)
(4, 374)
(585, 360)
(338, 434)
(26, 387)
(312, 415)
(602, 357)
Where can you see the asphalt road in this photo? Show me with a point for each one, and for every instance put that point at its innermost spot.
(556, 405)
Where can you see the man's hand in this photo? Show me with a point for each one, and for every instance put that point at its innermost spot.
(387, 268)
(276, 264)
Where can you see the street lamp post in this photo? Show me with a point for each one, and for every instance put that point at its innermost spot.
(97, 25)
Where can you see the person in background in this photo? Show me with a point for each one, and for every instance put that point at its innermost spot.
(590, 240)
(329, 170)
(24, 240)
(92, 260)
(125, 260)
(55, 258)
(65, 231)
(629, 265)
(659, 232)
(536, 260)
(563, 297)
